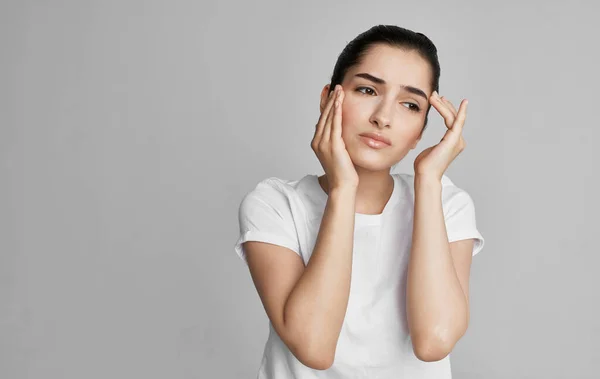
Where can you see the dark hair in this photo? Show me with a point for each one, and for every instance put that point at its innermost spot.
(390, 35)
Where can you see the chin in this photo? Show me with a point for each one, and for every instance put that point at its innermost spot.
(371, 162)
(374, 160)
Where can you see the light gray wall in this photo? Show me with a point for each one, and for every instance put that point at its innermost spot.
(131, 130)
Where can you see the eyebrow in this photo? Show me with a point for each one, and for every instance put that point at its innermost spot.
(377, 80)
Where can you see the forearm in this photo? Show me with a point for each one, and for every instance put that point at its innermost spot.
(316, 307)
(436, 304)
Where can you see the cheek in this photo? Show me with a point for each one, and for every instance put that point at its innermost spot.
(350, 122)
(408, 134)
(351, 115)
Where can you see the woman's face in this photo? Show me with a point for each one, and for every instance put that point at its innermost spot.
(378, 99)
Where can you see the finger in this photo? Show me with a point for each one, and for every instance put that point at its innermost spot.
(325, 112)
(461, 117)
(336, 127)
(323, 117)
(449, 105)
(327, 127)
(447, 135)
(443, 109)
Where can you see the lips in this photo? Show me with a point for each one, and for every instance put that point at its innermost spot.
(377, 137)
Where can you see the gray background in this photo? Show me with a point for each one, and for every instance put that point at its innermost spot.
(130, 132)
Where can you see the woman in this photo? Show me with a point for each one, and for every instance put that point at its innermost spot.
(364, 273)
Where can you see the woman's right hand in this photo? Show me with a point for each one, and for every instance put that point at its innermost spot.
(329, 146)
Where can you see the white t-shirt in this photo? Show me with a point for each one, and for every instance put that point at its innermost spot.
(374, 341)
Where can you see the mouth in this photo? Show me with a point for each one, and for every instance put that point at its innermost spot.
(375, 141)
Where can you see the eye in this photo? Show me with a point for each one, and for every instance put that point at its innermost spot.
(413, 107)
(365, 88)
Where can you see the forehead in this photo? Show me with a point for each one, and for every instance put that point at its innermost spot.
(395, 66)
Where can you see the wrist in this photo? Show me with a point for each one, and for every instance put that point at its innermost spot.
(342, 192)
(428, 181)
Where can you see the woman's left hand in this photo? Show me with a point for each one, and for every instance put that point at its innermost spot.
(434, 160)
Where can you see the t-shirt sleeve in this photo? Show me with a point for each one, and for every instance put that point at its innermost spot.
(265, 215)
(459, 214)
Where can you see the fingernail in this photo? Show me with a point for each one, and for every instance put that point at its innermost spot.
(436, 95)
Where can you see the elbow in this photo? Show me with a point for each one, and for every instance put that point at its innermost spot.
(431, 354)
(431, 350)
(314, 350)
(318, 363)
(315, 360)
(435, 346)
(313, 353)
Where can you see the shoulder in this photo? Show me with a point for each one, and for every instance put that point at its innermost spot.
(275, 184)
(451, 193)
(273, 191)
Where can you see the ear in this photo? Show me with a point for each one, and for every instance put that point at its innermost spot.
(324, 96)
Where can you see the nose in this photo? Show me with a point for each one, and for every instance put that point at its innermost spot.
(382, 115)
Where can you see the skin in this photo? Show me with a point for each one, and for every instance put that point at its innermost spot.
(307, 304)
(438, 271)
(385, 109)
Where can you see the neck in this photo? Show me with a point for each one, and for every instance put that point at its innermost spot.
(373, 192)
